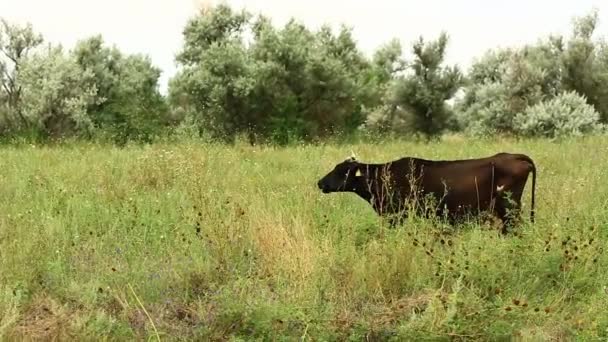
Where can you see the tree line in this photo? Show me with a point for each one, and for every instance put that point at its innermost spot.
(241, 76)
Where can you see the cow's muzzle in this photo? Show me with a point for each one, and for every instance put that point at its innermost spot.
(324, 188)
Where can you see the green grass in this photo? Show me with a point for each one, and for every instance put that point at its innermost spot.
(191, 241)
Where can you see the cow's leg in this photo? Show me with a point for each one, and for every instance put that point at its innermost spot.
(502, 214)
(514, 203)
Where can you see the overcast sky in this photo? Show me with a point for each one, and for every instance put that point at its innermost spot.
(154, 27)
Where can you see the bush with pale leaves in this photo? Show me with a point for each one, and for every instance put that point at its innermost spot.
(565, 115)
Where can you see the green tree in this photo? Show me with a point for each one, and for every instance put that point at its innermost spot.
(56, 93)
(423, 92)
(310, 84)
(129, 105)
(504, 84)
(584, 64)
(16, 43)
(214, 26)
(216, 80)
(383, 115)
(285, 83)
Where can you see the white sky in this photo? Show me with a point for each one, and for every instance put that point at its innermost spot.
(154, 27)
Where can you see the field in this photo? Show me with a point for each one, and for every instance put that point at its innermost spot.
(198, 241)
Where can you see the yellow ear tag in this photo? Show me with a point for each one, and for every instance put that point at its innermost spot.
(358, 173)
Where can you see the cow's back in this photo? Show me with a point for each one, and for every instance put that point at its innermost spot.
(457, 183)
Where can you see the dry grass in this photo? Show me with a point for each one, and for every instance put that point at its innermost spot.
(283, 248)
(44, 319)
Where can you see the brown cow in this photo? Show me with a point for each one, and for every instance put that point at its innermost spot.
(458, 187)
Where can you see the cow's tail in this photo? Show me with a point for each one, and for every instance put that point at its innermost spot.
(533, 169)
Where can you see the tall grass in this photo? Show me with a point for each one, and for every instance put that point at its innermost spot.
(190, 241)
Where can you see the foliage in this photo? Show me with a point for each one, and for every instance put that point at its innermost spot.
(16, 42)
(241, 76)
(584, 64)
(129, 105)
(384, 115)
(56, 93)
(288, 83)
(424, 91)
(505, 84)
(92, 89)
(487, 110)
(566, 114)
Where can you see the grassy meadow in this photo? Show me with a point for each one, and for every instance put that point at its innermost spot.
(194, 241)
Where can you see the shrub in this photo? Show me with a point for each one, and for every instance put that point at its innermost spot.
(488, 113)
(565, 115)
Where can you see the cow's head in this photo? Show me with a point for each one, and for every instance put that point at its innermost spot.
(346, 176)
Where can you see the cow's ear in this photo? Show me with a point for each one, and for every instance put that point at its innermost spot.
(358, 173)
